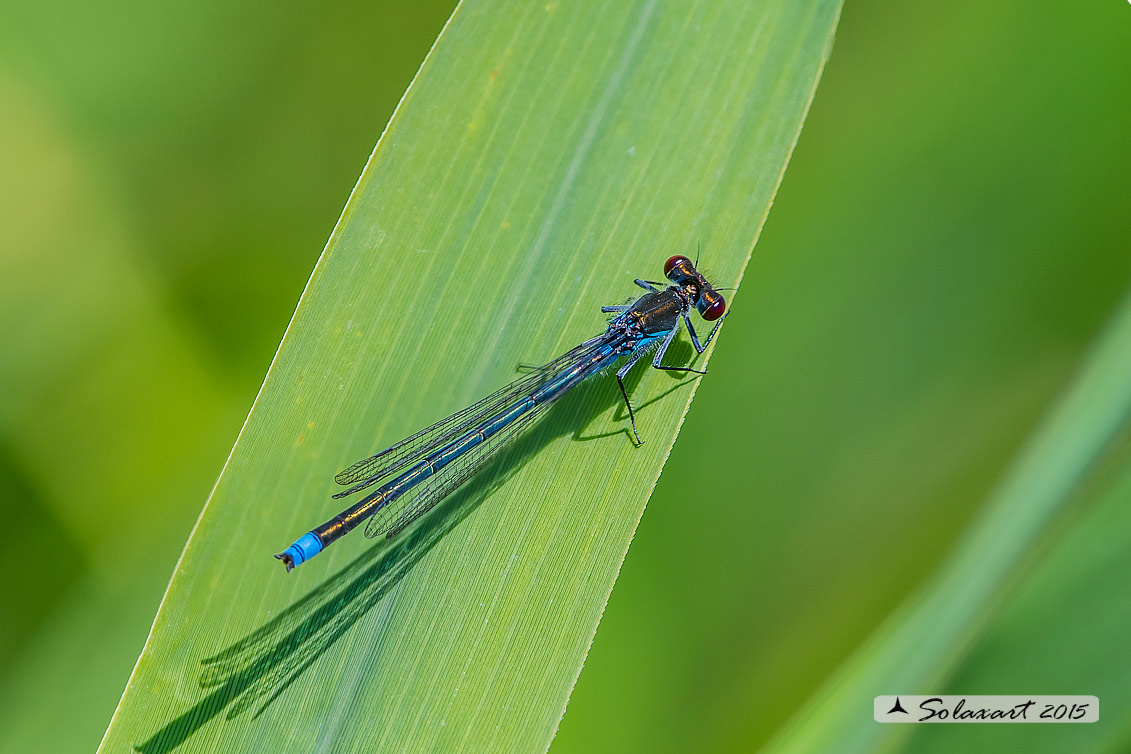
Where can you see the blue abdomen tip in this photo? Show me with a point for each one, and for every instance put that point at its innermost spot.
(304, 548)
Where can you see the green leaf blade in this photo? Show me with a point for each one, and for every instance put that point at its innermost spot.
(540, 161)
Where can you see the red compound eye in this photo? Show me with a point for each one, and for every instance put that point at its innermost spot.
(677, 261)
(712, 310)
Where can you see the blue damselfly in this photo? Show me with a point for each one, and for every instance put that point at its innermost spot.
(424, 469)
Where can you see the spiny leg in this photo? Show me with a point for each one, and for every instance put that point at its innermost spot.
(648, 285)
(664, 349)
(695, 339)
(616, 309)
(620, 381)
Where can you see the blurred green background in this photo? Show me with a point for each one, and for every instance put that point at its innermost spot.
(950, 237)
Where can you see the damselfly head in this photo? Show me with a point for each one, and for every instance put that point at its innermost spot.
(711, 304)
(681, 271)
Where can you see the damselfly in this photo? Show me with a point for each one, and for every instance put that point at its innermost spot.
(424, 469)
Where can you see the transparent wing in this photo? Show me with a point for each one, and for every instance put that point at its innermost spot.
(369, 471)
(393, 518)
